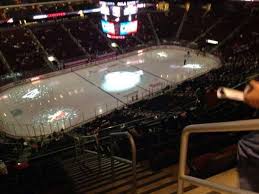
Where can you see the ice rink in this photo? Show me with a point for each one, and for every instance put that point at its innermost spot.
(47, 105)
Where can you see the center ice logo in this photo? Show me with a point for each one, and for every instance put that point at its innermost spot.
(121, 80)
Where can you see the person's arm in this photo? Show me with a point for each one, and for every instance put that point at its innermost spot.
(228, 93)
(251, 94)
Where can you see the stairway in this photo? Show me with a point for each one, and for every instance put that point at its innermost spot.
(88, 178)
(178, 33)
(4, 61)
(108, 41)
(153, 28)
(74, 39)
(50, 65)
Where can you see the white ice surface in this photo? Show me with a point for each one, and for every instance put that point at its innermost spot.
(51, 104)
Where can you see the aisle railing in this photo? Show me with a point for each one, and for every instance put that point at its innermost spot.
(133, 160)
(233, 126)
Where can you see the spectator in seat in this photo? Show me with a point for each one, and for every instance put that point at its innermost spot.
(248, 146)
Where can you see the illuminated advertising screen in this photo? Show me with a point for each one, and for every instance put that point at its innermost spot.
(119, 18)
(108, 27)
(128, 27)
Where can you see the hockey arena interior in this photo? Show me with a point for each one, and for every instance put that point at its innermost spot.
(129, 96)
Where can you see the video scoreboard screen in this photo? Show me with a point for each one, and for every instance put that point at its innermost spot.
(119, 18)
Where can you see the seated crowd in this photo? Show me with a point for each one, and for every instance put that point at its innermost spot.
(88, 36)
(21, 52)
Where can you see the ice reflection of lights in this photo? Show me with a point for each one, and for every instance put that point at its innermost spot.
(188, 66)
(192, 66)
(140, 54)
(3, 97)
(61, 96)
(140, 51)
(162, 54)
(121, 80)
(54, 115)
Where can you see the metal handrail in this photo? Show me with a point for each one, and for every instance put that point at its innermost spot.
(133, 155)
(79, 142)
(232, 126)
